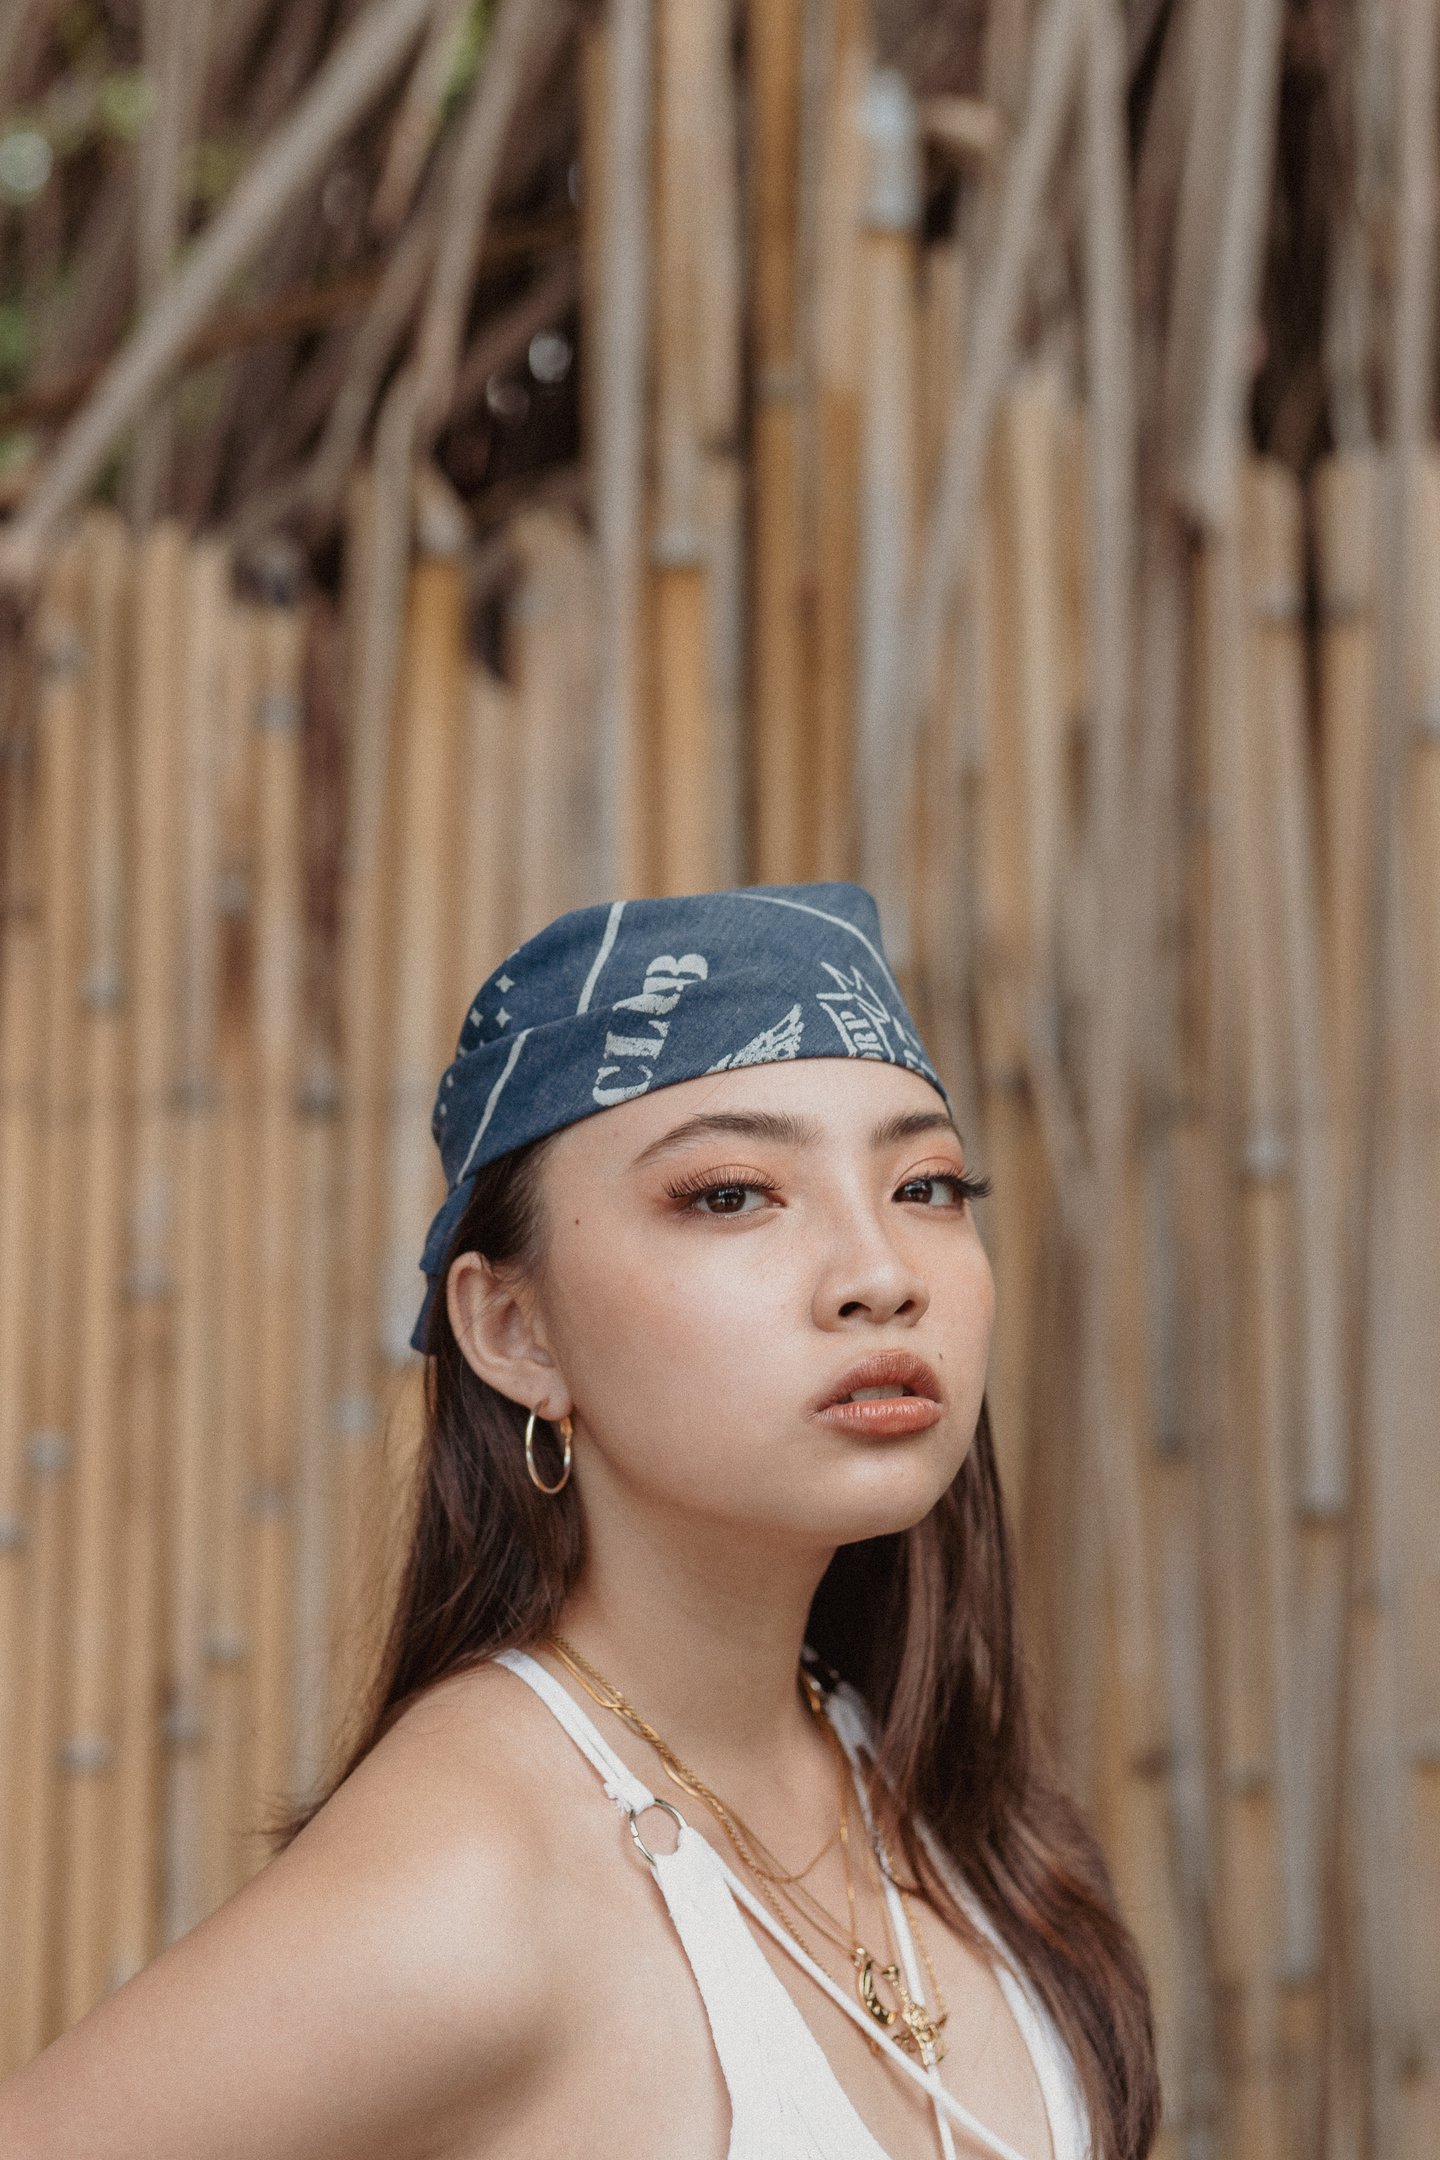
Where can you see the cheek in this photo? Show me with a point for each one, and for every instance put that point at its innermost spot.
(963, 1313)
(638, 1328)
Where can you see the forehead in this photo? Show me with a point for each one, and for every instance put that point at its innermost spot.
(826, 1102)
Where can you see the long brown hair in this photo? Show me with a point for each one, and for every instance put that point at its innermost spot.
(922, 1623)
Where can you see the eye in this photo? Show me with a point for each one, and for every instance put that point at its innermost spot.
(964, 1188)
(723, 1187)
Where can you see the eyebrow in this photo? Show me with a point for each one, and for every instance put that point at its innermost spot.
(781, 1128)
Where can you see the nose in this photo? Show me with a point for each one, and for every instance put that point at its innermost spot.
(867, 1272)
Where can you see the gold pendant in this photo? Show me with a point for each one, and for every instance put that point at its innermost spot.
(865, 1985)
(922, 2034)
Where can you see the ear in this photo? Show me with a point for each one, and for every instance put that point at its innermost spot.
(497, 1324)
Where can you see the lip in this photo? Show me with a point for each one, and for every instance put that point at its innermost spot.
(884, 1368)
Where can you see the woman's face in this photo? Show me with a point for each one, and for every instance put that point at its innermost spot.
(718, 1255)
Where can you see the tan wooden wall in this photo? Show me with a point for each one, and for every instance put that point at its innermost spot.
(238, 942)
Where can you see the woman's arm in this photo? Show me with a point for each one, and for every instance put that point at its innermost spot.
(371, 1992)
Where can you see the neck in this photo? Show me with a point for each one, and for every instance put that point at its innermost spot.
(700, 1631)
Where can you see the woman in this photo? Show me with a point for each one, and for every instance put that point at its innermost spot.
(697, 1812)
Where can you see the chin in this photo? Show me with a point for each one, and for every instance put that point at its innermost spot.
(880, 1492)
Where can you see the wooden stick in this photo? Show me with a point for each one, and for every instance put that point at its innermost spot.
(418, 122)
(429, 715)
(227, 1856)
(357, 70)
(1287, 1081)
(490, 822)
(778, 684)
(837, 438)
(889, 489)
(620, 111)
(376, 553)
(87, 1796)
(277, 717)
(22, 1233)
(1411, 363)
(944, 881)
(1346, 514)
(1011, 1151)
(198, 1310)
(175, 41)
(1245, 1500)
(1406, 1497)
(519, 33)
(995, 318)
(318, 1174)
(679, 605)
(1220, 240)
(1114, 801)
(558, 860)
(149, 1322)
(318, 1486)
(61, 746)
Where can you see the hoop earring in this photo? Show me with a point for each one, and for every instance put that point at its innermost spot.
(566, 1428)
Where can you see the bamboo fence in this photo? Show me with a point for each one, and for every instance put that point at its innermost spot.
(1148, 786)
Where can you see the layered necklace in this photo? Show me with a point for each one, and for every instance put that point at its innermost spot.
(904, 2015)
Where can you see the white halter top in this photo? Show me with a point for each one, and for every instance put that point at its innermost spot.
(786, 2102)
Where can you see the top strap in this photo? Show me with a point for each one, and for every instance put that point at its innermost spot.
(620, 1781)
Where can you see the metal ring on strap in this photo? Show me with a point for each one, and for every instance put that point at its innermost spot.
(634, 1813)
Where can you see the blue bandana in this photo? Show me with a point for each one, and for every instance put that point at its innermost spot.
(608, 1002)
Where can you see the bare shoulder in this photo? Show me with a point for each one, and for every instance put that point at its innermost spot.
(380, 1980)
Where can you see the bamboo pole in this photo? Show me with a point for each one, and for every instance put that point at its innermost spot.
(229, 1640)
(62, 726)
(1345, 502)
(838, 315)
(1104, 647)
(888, 480)
(782, 839)
(1389, 2007)
(319, 1489)
(679, 604)
(1400, 1719)
(1345, 517)
(1012, 1151)
(1419, 1636)
(277, 716)
(22, 1066)
(162, 618)
(944, 885)
(197, 1243)
(429, 720)
(618, 124)
(715, 166)
(365, 960)
(87, 1796)
(1245, 1891)
(318, 1181)
(545, 663)
(1307, 1562)
(489, 822)
(1219, 241)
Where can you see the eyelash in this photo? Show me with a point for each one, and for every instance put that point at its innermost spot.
(706, 1185)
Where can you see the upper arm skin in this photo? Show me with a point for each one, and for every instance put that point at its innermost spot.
(382, 1977)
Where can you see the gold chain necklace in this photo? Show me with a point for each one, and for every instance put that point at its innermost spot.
(920, 2032)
